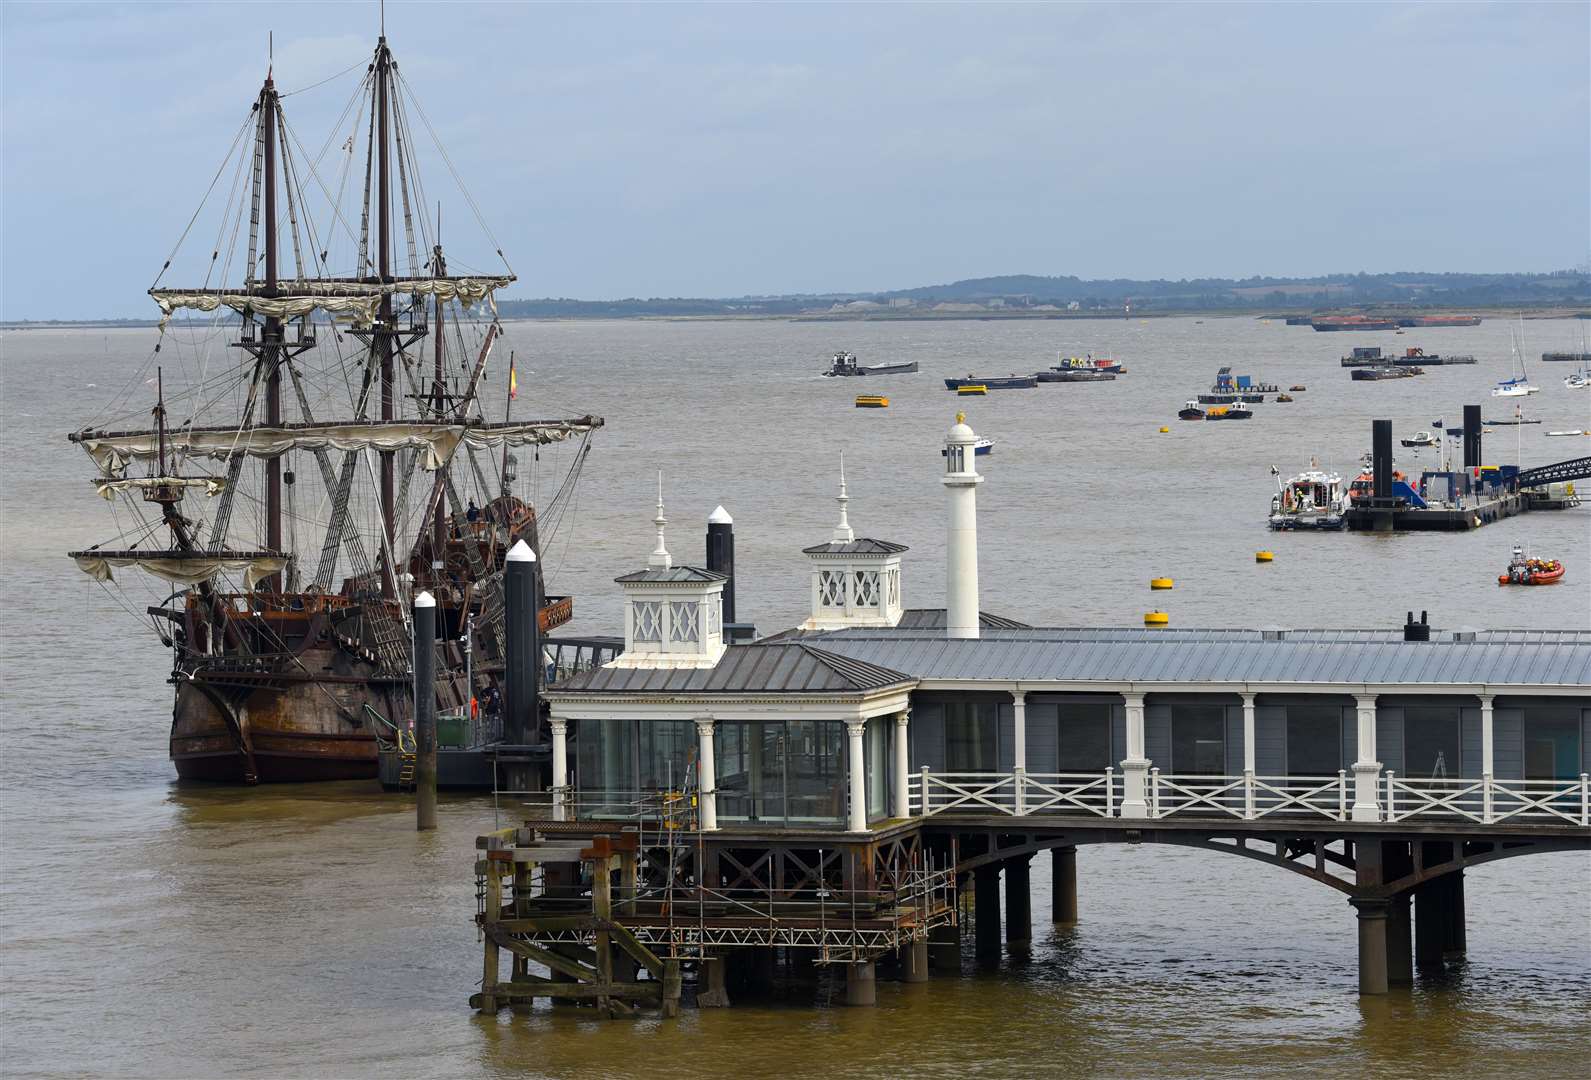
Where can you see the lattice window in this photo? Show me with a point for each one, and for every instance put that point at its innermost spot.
(892, 588)
(715, 615)
(866, 588)
(682, 622)
(648, 619)
(831, 588)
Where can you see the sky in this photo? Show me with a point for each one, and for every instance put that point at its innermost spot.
(726, 149)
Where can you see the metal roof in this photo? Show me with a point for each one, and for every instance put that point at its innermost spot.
(860, 546)
(934, 619)
(673, 574)
(1347, 657)
(744, 669)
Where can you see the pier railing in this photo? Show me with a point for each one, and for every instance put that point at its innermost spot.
(1249, 797)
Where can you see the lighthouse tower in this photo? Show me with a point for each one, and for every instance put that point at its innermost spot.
(961, 481)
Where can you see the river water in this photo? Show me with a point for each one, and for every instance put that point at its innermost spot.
(148, 929)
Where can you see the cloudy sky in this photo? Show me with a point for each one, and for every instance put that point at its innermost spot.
(712, 150)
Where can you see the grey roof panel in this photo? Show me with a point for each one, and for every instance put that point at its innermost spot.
(860, 546)
(673, 574)
(779, 668)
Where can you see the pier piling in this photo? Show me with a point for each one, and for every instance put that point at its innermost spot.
(712, 986)
(425, 711)
(914, 962)
(1400, 946)
(1430, 925)
(522, 664)
(986, 911)
(1455, 943)
(1372, 913)
(861, 986)
(944, 948)
(1063, 886)
(1018, 903)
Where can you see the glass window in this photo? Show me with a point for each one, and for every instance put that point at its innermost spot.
(1314, 740)
(1198, 740)
(1083, 737)
(667, 754)
(604, 766)
(815, 770)
(1552, 742)
(780, 773)
(876, 764)
(970, 736)
(1430, 742)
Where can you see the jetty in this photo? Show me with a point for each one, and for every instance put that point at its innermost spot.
(851, 796)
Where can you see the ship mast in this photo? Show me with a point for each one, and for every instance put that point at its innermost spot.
(438, 403)
(271, 345)
(385, 330)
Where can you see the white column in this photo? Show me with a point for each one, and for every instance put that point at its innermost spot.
(961, 481)
(1134, 767)
(1366, 770)
(1019, 744)
(560, 767)
(902, 766)
(1486, 758)
(707, 780)
(1248, 755)
(858, 820)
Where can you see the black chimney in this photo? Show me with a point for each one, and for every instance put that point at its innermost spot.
(1472, 436)
(1417, 631)
(1381, 458)
(721, 555)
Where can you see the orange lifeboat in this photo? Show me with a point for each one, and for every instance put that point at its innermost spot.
(1525, 571)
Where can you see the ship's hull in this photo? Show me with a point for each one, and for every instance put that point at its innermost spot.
(1364, 324)
(1004, 382)
(875, 369)
(1440, 320)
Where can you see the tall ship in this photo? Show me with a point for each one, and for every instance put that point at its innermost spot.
(318, 451)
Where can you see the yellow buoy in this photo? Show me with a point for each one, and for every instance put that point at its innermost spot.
(871, 401)
(1156, 618)
(1164, 429)
(972, 390)
(1160, 583)
(1264, 556)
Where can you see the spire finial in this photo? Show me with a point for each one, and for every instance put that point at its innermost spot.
(660, 559)
(961, 418)
(842, 531)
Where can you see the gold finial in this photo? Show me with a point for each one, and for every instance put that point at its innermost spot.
(961, 418)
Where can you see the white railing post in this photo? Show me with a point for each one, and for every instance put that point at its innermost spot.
(1392, 813)
(1248, 794)
(1110, 792)
(925, 807)
(1154, 792)
(1486, 798)
(1019, 775)
(1342, 794)
(1365, 766)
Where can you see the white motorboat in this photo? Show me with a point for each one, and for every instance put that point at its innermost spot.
(1578, 380)
(1314, 499)
(1517, 387)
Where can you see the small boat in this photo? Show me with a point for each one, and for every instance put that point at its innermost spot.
(1241, 385)
(844, 363)
(1190, 411)
(1420, 438)
(994, 382)
(1311, 500)
(1284, 397)
(971, 390)
(983, 447)
(1057, 375)
(1527, 571)
(1299, 389)
(1515, 387)
(1578, 380)
(1236, 411)
(871, 401)
(1511, 421)
(1560, 434)
(1388, 371)
(1088, 363)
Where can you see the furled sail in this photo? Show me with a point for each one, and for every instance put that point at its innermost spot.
(183, 567)
(114, 451)
(356, 300)
(107, 487)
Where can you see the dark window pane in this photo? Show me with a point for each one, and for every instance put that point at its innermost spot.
(970, 736)
(816, 764)
(1198, 740)
(1084, 732)
(668, 754)
(1552, 742)
(1314, 740)
(605, 765)
(1430, 741)
(876, 762)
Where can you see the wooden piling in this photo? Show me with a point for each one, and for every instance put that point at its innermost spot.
(494, 912)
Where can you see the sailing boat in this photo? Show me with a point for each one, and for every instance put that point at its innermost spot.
(291, 653)
(1519, 385)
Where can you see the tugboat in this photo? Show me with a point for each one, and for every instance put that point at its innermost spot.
(1235, 411)
(1297, 388)
(1311, 500)
(995, 382)
(1088, 363)
(1527, 571)
(844, 363)
(1283, 398)
(1420, 438)
(1190, 411)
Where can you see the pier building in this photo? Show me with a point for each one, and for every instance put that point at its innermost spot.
(845, 791)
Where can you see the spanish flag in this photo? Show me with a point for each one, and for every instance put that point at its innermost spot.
(513, 382)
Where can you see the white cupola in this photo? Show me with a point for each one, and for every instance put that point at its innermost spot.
(855, 582)
(673, 615)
